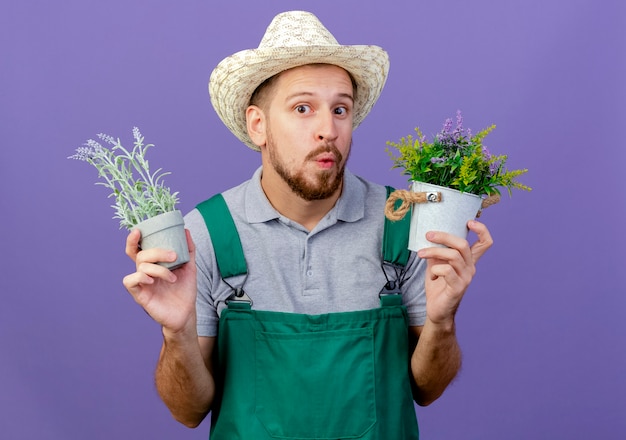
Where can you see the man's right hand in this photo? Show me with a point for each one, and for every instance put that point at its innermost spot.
(169, 297)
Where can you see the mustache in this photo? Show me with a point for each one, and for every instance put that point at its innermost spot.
(326, 147)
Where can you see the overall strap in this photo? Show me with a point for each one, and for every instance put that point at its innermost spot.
(396, 255)
(224, 235)
(396, 238)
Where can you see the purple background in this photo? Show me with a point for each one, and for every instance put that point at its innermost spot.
(543, 326)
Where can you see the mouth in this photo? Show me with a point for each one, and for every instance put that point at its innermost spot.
(326, 156)
(326, 160)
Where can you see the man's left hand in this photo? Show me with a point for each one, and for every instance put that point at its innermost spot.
(450, 270)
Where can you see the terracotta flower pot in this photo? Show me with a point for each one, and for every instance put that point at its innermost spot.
(166, 231)
(451, 214)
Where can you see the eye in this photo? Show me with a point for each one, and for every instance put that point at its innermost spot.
(303, 109)
(342, 111)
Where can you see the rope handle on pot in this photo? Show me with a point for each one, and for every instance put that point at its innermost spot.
(409, 197)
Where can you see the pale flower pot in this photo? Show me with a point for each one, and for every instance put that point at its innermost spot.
(166, 231)
(451, 214)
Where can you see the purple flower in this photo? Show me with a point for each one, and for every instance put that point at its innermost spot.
(83, 153)
(92, 151)
(94, 145)
(459, 120)
(445, 135)
(453, 139)
(106, 138)
(437, 160)
(137, 134)
(494, 167)
(458, 131)
(486, 154)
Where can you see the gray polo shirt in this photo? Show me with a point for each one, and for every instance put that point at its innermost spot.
(336, 267)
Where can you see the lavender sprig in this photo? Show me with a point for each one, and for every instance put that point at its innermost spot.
(139, 194)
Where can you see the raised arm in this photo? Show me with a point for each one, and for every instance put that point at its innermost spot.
(436, 358)
(184, 373)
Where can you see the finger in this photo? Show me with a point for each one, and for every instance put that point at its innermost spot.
(457, 245)
(440, 269)
(484, 242)
(156, 271)
(454, 263)
(135, 284)
(132, 243)
(449, 275)
(155, 255)
(134, 281)
(452, 266)
(160, 255)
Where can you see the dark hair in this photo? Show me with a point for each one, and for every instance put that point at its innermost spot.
(260, 96)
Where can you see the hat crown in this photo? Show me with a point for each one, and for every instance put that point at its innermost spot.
(296, 29)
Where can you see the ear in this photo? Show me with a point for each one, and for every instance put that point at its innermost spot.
(256, 123)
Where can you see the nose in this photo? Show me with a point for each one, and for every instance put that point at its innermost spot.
(327, 127)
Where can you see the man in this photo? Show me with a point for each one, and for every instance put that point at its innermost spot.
(317, 350)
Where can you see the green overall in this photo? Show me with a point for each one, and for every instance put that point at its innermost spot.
(295, 376)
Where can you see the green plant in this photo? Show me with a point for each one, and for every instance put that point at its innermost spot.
(455, 159)
(139, 194)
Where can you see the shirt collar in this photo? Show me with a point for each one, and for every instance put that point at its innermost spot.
(350, 206)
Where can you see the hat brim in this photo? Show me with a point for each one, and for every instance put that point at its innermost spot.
(234, 80)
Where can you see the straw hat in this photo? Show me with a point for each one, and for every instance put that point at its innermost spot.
(293, 39)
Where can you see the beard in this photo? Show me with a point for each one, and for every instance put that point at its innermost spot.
(319, 186)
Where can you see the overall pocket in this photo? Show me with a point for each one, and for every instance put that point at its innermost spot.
(316, 385)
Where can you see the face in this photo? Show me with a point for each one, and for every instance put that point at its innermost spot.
(308, 130)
